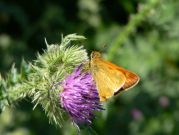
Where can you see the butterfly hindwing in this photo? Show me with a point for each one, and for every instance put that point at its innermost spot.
(131, 80)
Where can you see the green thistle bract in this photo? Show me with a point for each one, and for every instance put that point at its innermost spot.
(37, 80)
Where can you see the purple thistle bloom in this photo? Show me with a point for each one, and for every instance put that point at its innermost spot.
(80, 97)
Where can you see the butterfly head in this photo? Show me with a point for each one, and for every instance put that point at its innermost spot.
(95, 55)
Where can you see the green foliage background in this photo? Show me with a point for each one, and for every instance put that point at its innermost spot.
(142, 36)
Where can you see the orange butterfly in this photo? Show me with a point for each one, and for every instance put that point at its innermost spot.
(110, 79)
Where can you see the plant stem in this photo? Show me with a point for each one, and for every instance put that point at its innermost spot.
(131, 26)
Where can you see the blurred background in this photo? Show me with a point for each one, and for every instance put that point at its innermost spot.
(150, 49)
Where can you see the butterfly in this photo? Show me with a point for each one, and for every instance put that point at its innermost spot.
(110, 79)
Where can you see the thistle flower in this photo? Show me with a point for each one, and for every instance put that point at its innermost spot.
(80, 97)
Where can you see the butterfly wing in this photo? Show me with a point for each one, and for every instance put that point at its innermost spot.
(110, 79)
(131, 78)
